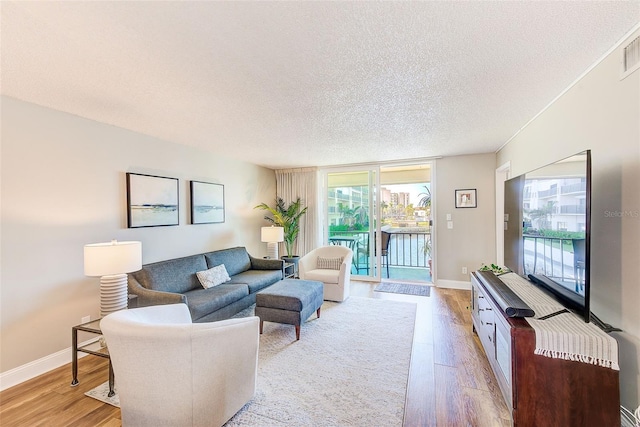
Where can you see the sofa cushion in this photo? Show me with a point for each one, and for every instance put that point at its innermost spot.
(213, 277)
(236, 260)
(174, 275)
(202, 302)
(257, 279)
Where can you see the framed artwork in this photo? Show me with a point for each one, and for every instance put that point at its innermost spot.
(207, 203)
(466, 198)
(152, 201)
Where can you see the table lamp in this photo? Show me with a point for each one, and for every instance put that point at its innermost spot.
(272, 236)
(111, 261)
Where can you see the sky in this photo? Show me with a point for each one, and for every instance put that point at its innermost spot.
(412, 189)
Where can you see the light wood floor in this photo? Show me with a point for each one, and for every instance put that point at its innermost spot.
(450, 381)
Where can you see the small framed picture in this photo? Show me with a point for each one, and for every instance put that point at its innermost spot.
(466, 198)
(207, 203)
(152, 201)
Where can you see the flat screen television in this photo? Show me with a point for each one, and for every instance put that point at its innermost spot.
(547, 230)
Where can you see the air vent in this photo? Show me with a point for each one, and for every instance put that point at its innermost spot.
(631, 57)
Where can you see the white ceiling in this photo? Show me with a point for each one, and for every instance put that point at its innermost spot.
(291, 84)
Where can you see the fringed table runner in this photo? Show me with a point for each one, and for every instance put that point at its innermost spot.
(565, 335)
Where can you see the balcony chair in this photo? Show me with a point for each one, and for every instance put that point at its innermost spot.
(323, 264)
(169, 371)
(363, 253)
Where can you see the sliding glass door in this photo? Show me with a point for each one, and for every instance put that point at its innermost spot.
(350, 216)
(383, 210)
(405, 222)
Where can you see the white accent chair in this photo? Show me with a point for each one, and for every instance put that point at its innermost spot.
(336, 282)
(172, 372)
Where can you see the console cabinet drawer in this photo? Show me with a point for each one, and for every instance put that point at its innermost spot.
(503, 350)
(494, 335)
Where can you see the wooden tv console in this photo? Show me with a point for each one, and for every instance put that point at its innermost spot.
(539, 390)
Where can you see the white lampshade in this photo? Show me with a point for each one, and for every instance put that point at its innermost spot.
(272, 234)
(112, 261)
(103, 259)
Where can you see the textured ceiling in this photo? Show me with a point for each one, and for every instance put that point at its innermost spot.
(290, 84)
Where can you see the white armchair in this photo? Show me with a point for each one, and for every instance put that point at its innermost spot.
(171, 372)
(336, 280)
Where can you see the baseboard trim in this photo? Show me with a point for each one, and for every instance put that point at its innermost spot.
(453, 284)
(38, 367)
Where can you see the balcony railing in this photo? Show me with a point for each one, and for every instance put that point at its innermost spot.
(580, 187)
(409, 248)
(573, 209)
(553, 191)
(554, 257)
(406, 247)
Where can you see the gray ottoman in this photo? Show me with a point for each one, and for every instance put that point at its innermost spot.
(289, 301)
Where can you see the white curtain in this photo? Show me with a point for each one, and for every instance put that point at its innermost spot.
(303, 183)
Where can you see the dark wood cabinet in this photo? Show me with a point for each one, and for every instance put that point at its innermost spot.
(539, 390)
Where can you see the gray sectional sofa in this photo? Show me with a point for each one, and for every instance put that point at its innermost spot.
(175, 281)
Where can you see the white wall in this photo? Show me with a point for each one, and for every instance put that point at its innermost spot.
(601, 113)
(63, 186)
(471, 241)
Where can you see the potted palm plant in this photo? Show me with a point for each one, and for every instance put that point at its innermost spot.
(287, 217)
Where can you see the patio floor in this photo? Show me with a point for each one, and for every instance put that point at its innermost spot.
(409, 274)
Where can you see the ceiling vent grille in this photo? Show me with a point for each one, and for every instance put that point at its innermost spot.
(631, 57)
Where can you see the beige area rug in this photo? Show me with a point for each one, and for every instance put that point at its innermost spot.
(102, 394)
(350, 368)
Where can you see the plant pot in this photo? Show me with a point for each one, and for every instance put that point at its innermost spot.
(292, 259)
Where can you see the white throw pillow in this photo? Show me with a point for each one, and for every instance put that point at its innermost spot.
(329, 263)
(213, 276)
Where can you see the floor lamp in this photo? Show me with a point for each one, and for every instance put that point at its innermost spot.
(272, 236)
(112, 261)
